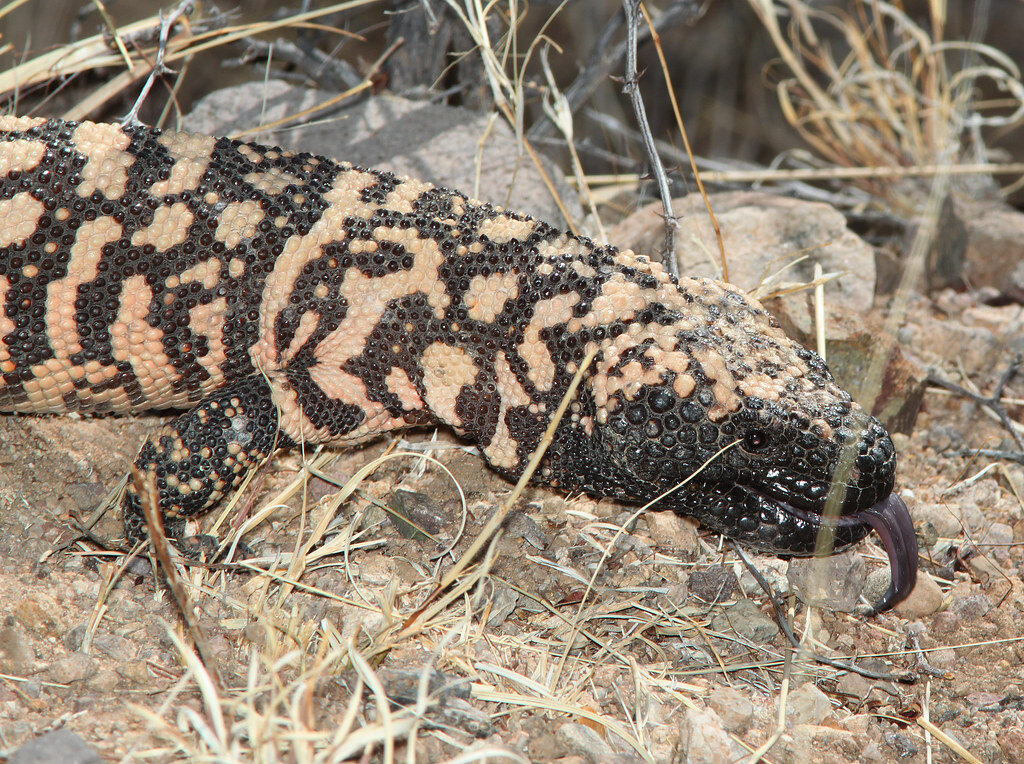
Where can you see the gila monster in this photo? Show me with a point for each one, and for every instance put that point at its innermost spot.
(281, 297)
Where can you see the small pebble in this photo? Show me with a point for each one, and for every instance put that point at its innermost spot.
(807, 705)
(925, 599)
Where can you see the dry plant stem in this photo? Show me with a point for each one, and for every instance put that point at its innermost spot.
(914, 93)
(506, 91)
(332, 101)
(183, 8)
(947, 741)
(656, 39)
(926, 714)
(783, 622)
(922, 664)
(780, 727)
(499, 517)
(631, 88)
(610, 546)
(993, 453)
(819, 312)
(991, 402)
(145, 486)
(366, 84)
(768, 175)
(112, 28)
(924, 237)
(93, 53)
(606, 56)
(557, 110)
(326, 72)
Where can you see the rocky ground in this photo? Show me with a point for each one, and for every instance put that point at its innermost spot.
(591, 634)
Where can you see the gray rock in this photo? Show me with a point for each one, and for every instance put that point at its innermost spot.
(995, 242)
(85, 496)
(904, 745)
(503, 602)
(705, 739)
(763, 233)
(855, 688)
(416, 515)
(996, 541)
(61, 745)
(673, 532)
(807, 705)
(945, 521)
(427, 141)
(16, 654)
(74, 637)
(73, 668)
(583, 741)
(943, 658)
(971, 607)
(745, 619)
(520, 524)
(733, 707)
(773, 570)
(836, 582)
(113, 646)
(714, 584)
(852, 340)
(447, 697)
(945, 623)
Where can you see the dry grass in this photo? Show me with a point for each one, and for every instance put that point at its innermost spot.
(867, 87)
(130, 50)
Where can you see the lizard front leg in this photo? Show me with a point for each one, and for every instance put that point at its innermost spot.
(204, 454)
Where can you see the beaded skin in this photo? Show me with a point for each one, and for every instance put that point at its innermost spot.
(279, 297)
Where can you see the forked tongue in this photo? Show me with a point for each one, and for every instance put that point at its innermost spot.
(891, 521)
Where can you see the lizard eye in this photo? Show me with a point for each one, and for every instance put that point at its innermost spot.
(754, 441)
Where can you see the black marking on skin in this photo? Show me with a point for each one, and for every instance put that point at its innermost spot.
(337, 417)
(330, 308)
(378, 191)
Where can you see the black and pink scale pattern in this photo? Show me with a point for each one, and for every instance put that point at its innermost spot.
(279, 298)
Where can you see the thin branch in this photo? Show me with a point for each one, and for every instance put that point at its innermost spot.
(183, 8)
(993, 453)
(992, 402)
(606, 56)
(670, 88)
(632, 90)
(145, 487)
(328, 72)
(780, 618)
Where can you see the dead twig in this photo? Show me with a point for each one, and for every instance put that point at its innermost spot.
(991, 402)
(183, 8)
(145, 488)
(632, 91)
(498, 517)
(606, 56)
(993, 453)
(656, 38)
(904, 677)
(328, 72)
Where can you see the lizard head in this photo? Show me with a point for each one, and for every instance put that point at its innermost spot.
(748, 432)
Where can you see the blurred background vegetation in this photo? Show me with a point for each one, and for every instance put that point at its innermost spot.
(793, 84)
